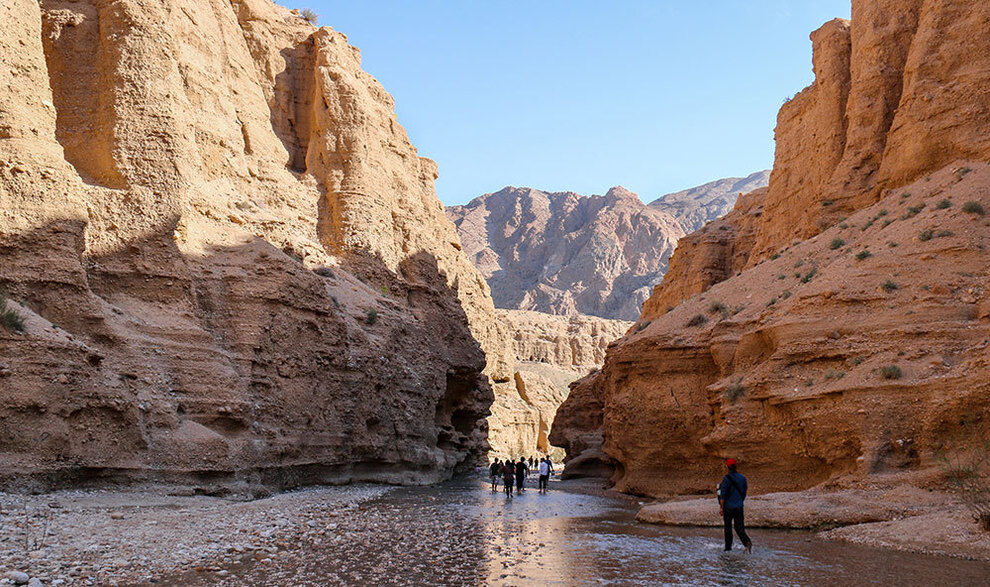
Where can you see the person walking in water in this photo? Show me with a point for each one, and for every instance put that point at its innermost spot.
(521, 470)
(508, 476)
(545, 469)
(495, 470)
(731, 494)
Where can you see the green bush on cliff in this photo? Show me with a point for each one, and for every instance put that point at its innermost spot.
(10, 320)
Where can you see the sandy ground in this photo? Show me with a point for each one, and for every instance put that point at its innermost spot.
(903, 518)
(123, 536)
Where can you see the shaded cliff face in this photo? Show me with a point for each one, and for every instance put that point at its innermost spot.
(833, 326)
(550, 353)
(229, 257)
(562, 253)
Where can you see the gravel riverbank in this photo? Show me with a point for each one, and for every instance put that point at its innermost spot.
(127, 536)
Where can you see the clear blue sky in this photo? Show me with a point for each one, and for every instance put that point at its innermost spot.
(653, 95)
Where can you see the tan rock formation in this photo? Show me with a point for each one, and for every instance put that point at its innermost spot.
(550, 353)
(230, 258)
(815, 347)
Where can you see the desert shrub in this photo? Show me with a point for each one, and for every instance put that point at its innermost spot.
(785, 294)
(836, 243)
(833, 374)
(888, 286)
(944, 233)
(774, 256)
(968, 475)
(10, 320)
(827, 202)
(864, 254)
(844, 226)
(887, 223)
(372, 317)
(809, 275)
(905, 195)
(868, 224)
(323, 271)
(698, 320)
(913, 211)
(641, 326)
(926, 235)
(809, 382)
(735, 390)
(857, 360)
(943, 204)
(882, 213)
(738, 309)
(309, 16)
(772, 302)
(972, 207)
(890, 372)
(718, 308)
(964, 171)
(798, 263)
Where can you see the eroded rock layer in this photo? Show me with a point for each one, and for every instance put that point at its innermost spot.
(230, 259)
(835, 326)
(550, 353)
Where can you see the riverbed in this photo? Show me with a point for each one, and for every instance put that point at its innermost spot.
(461, 533)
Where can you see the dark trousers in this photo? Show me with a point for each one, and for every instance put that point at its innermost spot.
(543, 482)
(519, 482)
(508, 485)
(734, 516)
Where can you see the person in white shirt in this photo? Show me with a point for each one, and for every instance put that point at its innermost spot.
(545, 469)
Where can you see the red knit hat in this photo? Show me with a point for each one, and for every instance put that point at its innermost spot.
(730, 462)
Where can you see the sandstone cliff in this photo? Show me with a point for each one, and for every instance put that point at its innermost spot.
(834, 326)
(230, 260)
(550, 353)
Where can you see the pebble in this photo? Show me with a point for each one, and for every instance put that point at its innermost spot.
(18, 577)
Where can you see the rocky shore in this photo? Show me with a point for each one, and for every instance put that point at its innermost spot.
(899, 517)
(129, 536)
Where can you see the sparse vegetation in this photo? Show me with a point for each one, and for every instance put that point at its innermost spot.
(888, 286)
(385, 290)
(926, 235)
(10, 320)
(887, 223)
(738, 309)
(772, 302)
(735, 390)
(944, 233)
(890, 372)
(809, 382)
(698, 320)
(785, 294)
(973, 207)
(913, 211)
(718, 308)
(774, 256)
(833, 374)
(372, 317)
(809, 275)
(891, 244)
(836, 243)
(641, 326)
(827, 202)
(323, 271)
(309, 16)
(844, 226)
(905, 195)
(968, 473)
(964, 171)
(864, 254)
(943, 204)
(781, 276)
(798, 263)
(857, 360)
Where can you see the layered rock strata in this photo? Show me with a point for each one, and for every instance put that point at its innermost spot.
(835, 327)
(550, 353)
(230, 260)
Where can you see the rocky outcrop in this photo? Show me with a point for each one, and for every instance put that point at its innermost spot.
(550, 353)
(562, 253)
(230, 260)
(898, 93)
(710, 255)
(700, 205)
(836, 326)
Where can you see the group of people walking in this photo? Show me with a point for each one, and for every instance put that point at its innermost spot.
(513, 474)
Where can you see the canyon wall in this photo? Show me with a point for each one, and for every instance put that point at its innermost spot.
(229, 260)
(550, 353)
(835, 325)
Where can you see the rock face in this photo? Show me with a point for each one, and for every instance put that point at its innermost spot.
(814, 347)
(230, 259)
(699, 205)
(550, 353)
(562, 253)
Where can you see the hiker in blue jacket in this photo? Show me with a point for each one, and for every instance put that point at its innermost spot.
(731, 494)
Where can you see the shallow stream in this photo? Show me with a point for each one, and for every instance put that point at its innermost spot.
(461, 533)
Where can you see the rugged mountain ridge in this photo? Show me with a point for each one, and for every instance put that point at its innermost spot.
(230, 261)
(563, 253)
(833, 326)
